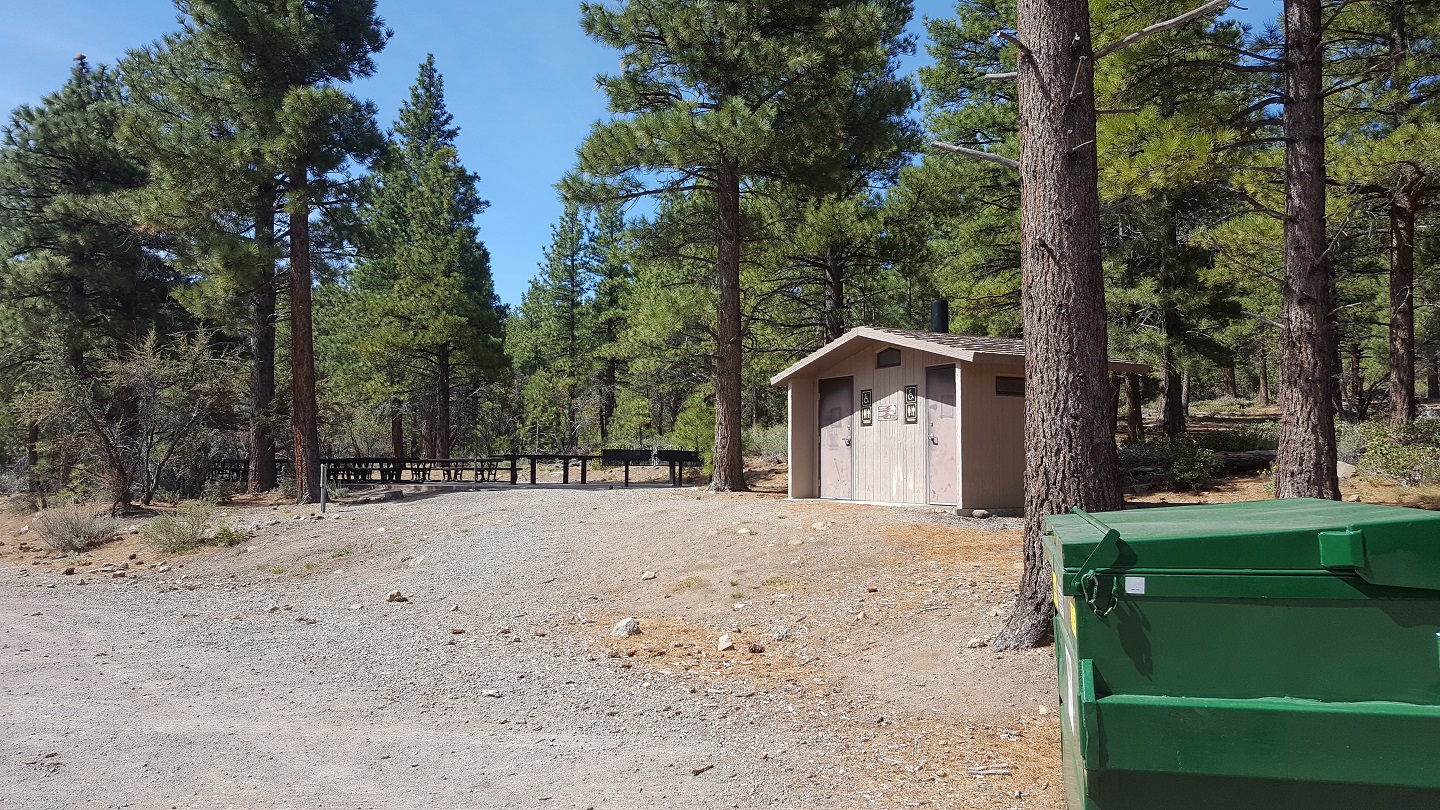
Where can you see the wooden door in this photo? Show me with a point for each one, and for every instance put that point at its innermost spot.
(837, 420)
(941, 437)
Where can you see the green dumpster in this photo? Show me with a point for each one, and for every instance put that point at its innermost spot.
(1271, 654)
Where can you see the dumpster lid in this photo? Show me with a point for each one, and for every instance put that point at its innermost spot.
(1385, 545)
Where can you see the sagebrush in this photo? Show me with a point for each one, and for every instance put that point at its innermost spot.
(76, 527)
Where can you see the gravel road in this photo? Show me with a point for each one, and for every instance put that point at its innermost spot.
(279, 676)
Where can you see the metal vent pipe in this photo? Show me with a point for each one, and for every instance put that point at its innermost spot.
(939, 316)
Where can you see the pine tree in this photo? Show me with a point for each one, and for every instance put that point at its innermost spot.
(76, 272)
(419, 311)
(286, 60)
(713, 95)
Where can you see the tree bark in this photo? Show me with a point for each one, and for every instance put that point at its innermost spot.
(32, 457)
(1402, 302)
(1172, 387)
(1070, 457)
(1264, 371)
(1134, 417)
(1305, 462)
(1432, 378)
(1357, 383)
(262, 475)
(304, 409)
(729, 465)
(1228, 385)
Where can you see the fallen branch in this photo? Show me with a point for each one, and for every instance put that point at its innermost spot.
(977, 154)
(1174, 22)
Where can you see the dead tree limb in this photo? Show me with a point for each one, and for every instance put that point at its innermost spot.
(1174, 22)
(977, 154)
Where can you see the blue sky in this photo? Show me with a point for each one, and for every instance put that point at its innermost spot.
(519, 79)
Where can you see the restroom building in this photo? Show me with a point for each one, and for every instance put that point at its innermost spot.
(902, 416)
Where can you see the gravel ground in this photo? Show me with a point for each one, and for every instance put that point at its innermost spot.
(278, 675)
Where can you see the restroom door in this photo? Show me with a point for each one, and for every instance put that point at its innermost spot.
(941, 440)
(837, 419)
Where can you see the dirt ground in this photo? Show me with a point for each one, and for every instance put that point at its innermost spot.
(860, 673)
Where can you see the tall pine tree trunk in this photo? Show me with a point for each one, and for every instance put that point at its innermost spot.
(1172, 387)
(304, 409)
(1432, 378)
(1228, 386)
(1263, 367)
(729, 465)
(1305, 462)
(1134, 417)
(32, 457)
(1070, 457)
(1402, 302)
(262, 475)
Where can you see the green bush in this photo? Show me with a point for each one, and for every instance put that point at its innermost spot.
(1180, 463)
(1409, 453)
(1262, 436)
(185, 529)
(769, 443)
(227, 535)
(76, 527)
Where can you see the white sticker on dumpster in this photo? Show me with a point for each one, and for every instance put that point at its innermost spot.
(1135, 585)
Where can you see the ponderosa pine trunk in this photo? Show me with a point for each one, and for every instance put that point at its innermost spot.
(262, 474)
(32, 457)
(1134, 416)
(1432, 378)
(1070, 457)
(729, 464)
(1172, 386)
(304, 409)
(1402, 301)
(1305, 461)
(1263, 368)
(1228, 386)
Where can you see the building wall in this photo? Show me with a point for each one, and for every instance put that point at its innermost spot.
(992, 439)
(890, 455)
(804, 432)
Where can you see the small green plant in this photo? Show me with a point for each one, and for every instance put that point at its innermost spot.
(185, 529)
(277, 570)
(734, 583)
(217, 491)
(169, 496)
(309, 566)
(341, 552)
(226, 534)
(779, 582)
(687, 582)
(75, 528)
(737, 595)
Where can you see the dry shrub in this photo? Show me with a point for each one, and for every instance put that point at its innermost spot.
(76, 527)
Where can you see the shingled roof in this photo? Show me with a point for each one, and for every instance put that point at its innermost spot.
(966, 348)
